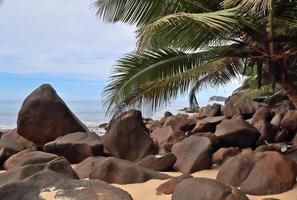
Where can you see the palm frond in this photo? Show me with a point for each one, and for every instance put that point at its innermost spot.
(160, 92)
(190, 31)
(141, 12)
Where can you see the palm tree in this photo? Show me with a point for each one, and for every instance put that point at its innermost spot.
(184, 45)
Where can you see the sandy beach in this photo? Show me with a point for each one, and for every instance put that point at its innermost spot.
(146, 191)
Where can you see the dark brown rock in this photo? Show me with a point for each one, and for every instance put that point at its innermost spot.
(212, 110)
(114, 170)
(84, 168)
(223, 154)
(154, 125)
(276, 120)
(28, 157)
(207, 124)
(76, 147)
(169, 186)
(128, 138)
(180, 123)
(158, 162)
(35, 187)
(44, 117)
(283, 136)
(12, 143)
(261, 173)
(58, 165)
(236, 169)
(262, 114)
(267, 133)
(237, 133)
(165, 138)
(205, 189)
(270, 147)
(193, 154)
(246, 109)
(289, 121)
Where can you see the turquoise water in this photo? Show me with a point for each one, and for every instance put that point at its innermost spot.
(89, 112)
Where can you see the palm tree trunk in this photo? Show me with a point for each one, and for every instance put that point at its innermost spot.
(288, 87)
(271, 46)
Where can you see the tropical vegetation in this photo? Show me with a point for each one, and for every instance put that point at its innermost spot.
(184, 45)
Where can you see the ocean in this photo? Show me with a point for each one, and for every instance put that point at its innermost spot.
(89, 112)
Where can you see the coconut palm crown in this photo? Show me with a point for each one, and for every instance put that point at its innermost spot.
(184, 45)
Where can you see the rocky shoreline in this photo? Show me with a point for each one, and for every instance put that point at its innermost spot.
(53, 155)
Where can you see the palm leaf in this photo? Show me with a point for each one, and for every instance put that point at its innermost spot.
(141, 12)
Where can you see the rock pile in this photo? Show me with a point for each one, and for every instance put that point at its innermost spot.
(254, 145)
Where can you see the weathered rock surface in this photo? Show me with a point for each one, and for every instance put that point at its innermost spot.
(166, 137)
(221, 155)
(212, 110)
(12, 143)
(261, 173)
(205, 189)
(58, 165)
(180, 123)
(44, 117)
(128, 138)
(246, 109)
(158, 162)
(169, 186)
(114, 170)
(262, 114)
(207, 124)
(48, 183)
(76, 147)
(289, 121)
(154, 125)
(193, 154)
(237, 133)
(28, 157)
(266, 130)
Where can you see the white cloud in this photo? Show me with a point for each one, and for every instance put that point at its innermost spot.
(60, 37)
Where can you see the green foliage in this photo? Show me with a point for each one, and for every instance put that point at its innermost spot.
(185, 45)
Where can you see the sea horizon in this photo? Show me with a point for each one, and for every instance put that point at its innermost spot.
(89, 111)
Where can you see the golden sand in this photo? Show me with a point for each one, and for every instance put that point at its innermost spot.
(146, 191)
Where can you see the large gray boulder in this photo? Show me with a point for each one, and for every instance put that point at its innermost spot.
(44, 117)
(128, 138)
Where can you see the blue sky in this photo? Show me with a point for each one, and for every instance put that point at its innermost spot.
(61, 42)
